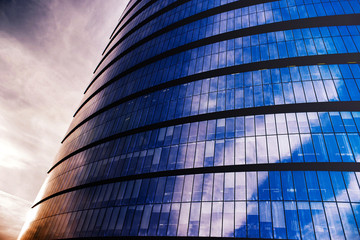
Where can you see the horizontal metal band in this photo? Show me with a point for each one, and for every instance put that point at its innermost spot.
(122, 18)
(125, 15)
(279, 63)
(116, 32)
(284, 108)
(207, 13)
(163, 237)
(336, 20)
(138, 26)
(304, 166)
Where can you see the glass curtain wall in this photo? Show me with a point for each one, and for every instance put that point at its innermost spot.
(215, 118)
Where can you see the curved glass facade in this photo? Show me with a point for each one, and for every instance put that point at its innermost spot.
(221, 118)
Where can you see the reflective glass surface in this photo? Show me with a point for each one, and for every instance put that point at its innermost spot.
(220, 118)
(286, 204)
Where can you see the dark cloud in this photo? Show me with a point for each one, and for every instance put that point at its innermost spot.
(23, 18)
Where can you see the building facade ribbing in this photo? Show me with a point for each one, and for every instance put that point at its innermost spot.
(215, 118)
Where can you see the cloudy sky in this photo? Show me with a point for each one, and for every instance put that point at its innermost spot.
(48, 51)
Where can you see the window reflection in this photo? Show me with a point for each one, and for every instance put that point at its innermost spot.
(264, 204)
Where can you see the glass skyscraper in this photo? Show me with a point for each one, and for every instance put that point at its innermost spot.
(215, 118)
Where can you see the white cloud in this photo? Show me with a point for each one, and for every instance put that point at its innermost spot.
(48, 51)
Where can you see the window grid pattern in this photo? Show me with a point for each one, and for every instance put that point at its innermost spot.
(128, 16)
(268, 13)
(272, 138)
(170, 161)
(174, 15)
(229, 92)
(220, 23)
(123, 35)
(243, 50)
(286, 204)
(224, 99)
